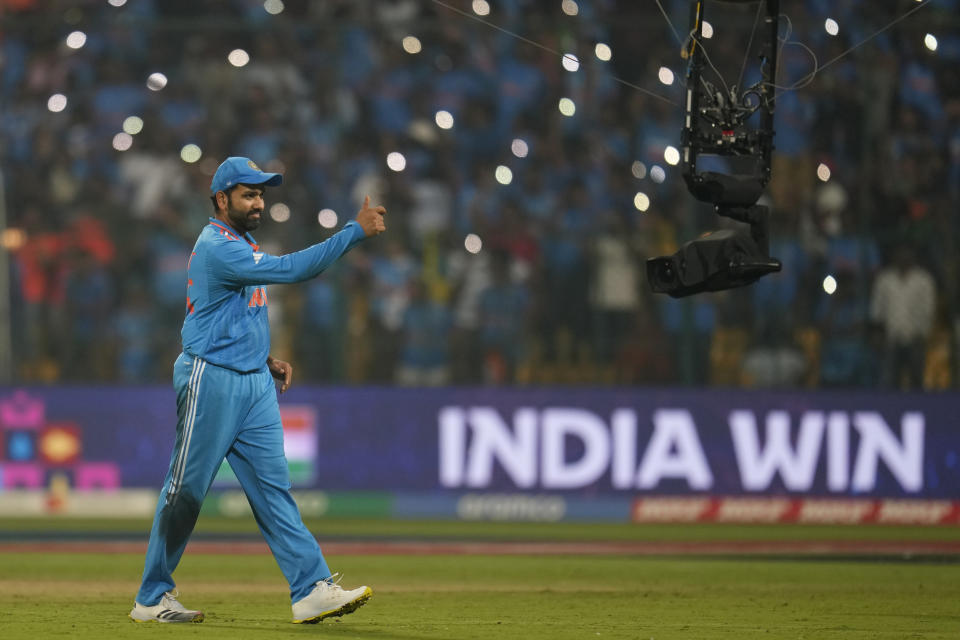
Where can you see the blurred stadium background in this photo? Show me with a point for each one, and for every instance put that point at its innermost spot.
(497, 354)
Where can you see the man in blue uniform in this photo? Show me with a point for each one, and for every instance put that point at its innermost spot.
(227, 402)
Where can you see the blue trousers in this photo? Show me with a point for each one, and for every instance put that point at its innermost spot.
(222, 413)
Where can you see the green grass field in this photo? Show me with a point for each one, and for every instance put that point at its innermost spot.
(88, 595)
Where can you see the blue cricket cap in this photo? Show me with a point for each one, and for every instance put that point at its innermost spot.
(236, 170)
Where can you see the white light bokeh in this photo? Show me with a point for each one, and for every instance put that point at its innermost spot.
(472, 243)
(671, 155)
(238, 57)
(481, 7)
(327, 218)
(519, 147)
(657, 174)
(707, 30)
(279, 212)
(823, 172)
(156, 81)
(570, 62)
(665, 75)
(570, 7)
(641, 201)
(638, 169)
(122, 141)
(273, 7)
(116, 3)
(190, 153)
(503, 174)
(831, 26)
(444, 119)
(830, 285)
(57, 102)
(76, 39)
(930, 42)
(603, 51)
(567, 107)
(412, 45)
(396, 161)
(133, 125)
(13, 238)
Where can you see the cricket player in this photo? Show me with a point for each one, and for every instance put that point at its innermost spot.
(227, 401)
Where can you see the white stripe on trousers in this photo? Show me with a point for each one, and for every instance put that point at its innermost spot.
(193, 391)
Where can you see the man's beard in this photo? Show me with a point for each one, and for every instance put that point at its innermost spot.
(243, 221)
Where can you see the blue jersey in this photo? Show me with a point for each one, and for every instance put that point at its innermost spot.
(226, 317)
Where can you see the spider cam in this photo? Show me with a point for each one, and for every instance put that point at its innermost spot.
(716, 127)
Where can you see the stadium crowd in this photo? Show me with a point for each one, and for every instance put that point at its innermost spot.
(532, 273)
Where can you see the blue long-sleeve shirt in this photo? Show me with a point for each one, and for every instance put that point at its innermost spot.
(226, 319)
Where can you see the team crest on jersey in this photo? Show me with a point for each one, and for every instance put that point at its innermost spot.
(257, 256)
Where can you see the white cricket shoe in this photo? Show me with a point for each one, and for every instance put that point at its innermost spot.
(168, 609)
(329, 599)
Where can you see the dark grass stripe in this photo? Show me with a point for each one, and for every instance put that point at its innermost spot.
(926, 551)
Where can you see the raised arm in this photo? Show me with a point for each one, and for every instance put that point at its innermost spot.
(241, 267)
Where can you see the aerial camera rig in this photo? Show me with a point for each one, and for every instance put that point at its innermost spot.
(716, 125)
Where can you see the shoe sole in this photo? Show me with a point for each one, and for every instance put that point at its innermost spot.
(350, 607)
(196, 619)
